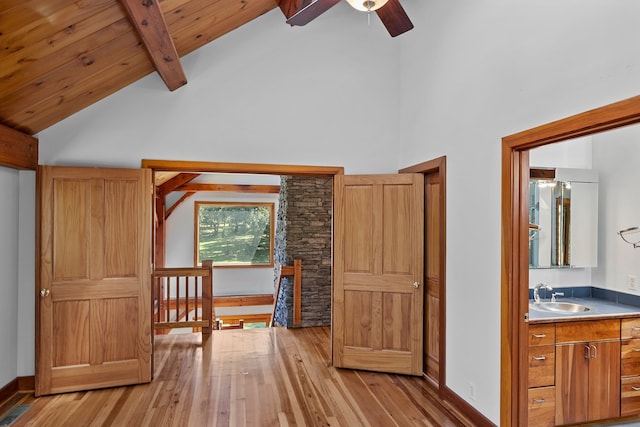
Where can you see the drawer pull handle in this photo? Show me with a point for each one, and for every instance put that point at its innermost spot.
(544, 335)
(635, 328)
(635, 349)
(635, 388)
(539, 357)
(538, 400)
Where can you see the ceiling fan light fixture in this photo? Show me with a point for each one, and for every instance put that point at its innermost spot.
(367, 5)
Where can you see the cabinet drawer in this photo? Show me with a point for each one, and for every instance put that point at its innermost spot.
(630, 328)
(542, 334)
(542, 362)
(630, 396)
(542, 407)
(594, 330)
(630, 357)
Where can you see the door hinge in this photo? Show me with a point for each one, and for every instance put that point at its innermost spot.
(526, 317)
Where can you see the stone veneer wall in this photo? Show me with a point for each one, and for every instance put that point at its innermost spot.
(303, 231)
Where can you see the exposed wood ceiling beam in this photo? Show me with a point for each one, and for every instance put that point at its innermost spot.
(175, 182)
(257, 168)
(231, 188)
(149, 21)
(18, 150)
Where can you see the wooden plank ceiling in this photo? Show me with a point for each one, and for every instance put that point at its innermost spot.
(60, 56)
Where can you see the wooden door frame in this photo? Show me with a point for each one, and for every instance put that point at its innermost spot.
(514, 280)
(250, 168)
(438, 166)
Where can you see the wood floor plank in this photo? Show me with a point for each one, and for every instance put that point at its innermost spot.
(253, 377)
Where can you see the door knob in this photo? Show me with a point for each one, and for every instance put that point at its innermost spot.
(44, 292)
(416, 285)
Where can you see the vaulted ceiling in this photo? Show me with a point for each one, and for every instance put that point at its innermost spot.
(60, 56)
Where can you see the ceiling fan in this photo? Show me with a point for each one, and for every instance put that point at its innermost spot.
(390, 12)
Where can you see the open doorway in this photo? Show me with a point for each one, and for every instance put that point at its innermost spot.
(305, 210)
(515, 240)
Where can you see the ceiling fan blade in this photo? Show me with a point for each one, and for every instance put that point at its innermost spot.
(394, 18)
(311, 11)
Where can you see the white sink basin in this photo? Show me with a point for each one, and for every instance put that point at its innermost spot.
(560, 307)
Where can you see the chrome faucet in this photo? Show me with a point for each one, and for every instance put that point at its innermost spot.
(536, 291)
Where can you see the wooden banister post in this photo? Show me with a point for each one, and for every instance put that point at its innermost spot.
(207, 297)
(297, 292)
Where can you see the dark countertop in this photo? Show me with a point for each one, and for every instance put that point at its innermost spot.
(600, 309)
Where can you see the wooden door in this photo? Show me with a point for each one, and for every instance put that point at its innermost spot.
(378, 290)
(432, 280)
(94, 294)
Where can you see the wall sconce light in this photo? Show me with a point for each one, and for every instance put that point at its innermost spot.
(630, 230)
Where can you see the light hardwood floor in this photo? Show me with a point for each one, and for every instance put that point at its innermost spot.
(251, 377)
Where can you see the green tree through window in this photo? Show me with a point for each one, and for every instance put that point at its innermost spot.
(234, 233)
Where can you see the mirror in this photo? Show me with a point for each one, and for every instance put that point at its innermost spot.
(563, 218)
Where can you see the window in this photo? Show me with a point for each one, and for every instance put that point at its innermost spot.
(234, 234)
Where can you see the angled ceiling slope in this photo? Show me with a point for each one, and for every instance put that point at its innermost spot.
(60, 56)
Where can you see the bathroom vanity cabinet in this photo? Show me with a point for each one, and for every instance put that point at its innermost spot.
(583, 371)
(587, 371)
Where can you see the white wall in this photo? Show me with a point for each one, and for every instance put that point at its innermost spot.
(474, 72)
(9, 284)
(26, 273)
(616, 155)
(337, 92)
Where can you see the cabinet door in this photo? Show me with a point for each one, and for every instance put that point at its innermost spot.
(572, 383)
(604, 380)
(587, 381)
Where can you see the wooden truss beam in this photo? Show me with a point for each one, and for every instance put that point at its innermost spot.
(162, 212)
(148, 20)
(174, 183)
(18, 150)
(258, 168)
(231, 188)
